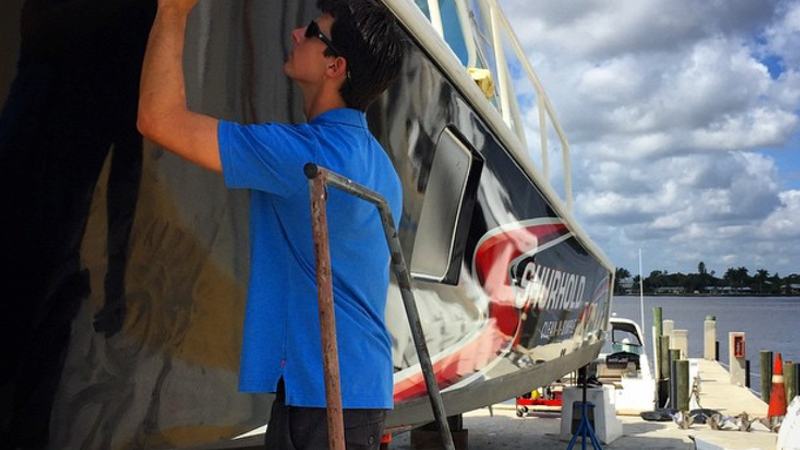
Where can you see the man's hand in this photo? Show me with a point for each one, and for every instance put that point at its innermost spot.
(182, 6)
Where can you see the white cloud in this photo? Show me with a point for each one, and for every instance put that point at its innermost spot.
(784, 222)
(668, 106)
(783, 36)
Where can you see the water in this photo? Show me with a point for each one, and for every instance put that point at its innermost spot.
(770, 323)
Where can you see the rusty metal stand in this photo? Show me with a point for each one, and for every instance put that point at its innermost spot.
(318, 179)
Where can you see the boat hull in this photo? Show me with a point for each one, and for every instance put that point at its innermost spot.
(127, 268)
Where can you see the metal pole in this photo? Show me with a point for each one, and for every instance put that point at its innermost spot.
(327, 320)
(400, 269)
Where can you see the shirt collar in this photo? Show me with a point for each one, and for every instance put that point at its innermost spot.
(344, 116)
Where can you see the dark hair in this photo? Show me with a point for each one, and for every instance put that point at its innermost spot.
(369, 38)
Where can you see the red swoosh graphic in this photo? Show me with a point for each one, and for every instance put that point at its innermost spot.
(492, 260)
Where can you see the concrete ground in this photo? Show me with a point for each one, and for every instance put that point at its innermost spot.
(504, 430)
(541, 431)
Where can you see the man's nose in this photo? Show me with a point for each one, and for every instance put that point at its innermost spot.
(297, 34)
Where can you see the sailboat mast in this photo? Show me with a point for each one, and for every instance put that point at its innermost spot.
(641, 296)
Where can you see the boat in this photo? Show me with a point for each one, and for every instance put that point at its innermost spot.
(125, 268)
(624, 364)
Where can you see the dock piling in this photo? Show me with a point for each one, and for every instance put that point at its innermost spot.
(673, 388)
(790, 377)
(747, 373)
(667, 326)
(766, 375)
(796, 380)
(664, 357)
(674, 356)
(709, 338)
(657, 321)
(682, 384)
(662, 376)
(657, 333)
(680, 341)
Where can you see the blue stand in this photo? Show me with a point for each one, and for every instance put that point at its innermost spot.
(585, 429)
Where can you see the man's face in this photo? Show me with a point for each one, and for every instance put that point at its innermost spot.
(307, 62)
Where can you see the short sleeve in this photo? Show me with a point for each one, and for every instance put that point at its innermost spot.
(265, 157)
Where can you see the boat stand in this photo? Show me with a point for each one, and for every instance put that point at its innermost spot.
(585, 429)
(319, 179)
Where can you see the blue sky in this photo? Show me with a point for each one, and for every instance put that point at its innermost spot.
(684, 123)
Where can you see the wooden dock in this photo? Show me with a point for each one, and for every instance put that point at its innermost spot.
(503, 430)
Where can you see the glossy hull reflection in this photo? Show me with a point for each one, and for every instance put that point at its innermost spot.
(125, 268)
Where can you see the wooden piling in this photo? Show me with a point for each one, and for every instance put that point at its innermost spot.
(682, 384)
(663, 345)
(657, 314)
(709, 337)
(680, 341)
(667, 325)
(657, 317)
(674, 356)
(673, 387)
(766, 374)
(662, 376)
(747, 373)
(796, 379)
(790, 380)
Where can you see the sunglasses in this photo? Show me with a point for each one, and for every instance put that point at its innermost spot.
(313, 31)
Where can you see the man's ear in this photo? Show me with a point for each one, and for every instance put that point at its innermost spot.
(337, 68)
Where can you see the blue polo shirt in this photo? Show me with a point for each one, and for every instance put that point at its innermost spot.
(281, 329)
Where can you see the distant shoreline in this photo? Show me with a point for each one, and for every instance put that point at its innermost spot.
(646, 294)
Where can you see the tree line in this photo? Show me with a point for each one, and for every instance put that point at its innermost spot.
(735, 280)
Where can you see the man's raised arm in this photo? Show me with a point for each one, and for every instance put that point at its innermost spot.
(164, 117)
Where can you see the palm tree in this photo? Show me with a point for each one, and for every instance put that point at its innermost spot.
(761, 278)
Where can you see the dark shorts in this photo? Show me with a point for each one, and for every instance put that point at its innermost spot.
(294, 427)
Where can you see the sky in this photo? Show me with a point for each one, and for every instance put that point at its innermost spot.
(683, 119)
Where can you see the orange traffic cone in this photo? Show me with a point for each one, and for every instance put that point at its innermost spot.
(777, 397)
(386, 439)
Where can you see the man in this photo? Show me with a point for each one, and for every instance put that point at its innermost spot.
(341, 61)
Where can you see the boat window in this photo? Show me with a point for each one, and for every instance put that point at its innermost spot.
(446, 210)
(495, 53)
(481, 37)
(481, 34)
(451, 17)
(467, 28)
(625, 337)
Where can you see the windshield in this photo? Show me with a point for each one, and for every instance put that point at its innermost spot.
(623, 338)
